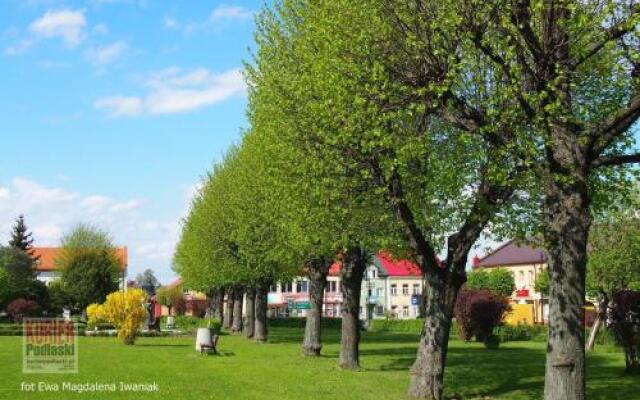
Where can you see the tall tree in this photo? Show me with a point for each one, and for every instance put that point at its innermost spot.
(89, 266)
(147, 280)
(21, 238)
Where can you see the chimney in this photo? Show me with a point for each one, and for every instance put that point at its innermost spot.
(476, 262)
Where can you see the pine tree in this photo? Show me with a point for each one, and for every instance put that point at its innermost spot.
(22, 239)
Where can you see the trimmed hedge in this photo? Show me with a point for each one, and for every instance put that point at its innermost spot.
(17, 329)
(191, 324)
(521, 332)
(397, 325)
(297, 322)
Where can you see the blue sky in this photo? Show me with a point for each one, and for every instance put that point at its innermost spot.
(112, 110)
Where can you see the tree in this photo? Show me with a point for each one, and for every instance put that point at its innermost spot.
(148, 281)
(5, 290)
(126, 311)
(168, 295)
(498, 281)
(22, 239)
(371, 134)
(89, 267)
(542, 283)
(614, 263)
(21, 278)
(562, 76)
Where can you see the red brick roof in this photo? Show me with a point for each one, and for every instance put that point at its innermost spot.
(512, 253)
(48, 256)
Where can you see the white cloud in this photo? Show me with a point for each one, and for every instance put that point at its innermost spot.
(52, 211)
(120, 106)
(68, 25)
(224, 12)
(106, 54)
(173, 91)
(171, 23)
(100, 29)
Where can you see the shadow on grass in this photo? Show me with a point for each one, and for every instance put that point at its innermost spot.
(162, 345)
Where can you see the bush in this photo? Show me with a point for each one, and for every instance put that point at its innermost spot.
(126, 311)
(22, 308)
(477, 313)
(190, 324)
(95, 315)
(521, 332)
(397, 325)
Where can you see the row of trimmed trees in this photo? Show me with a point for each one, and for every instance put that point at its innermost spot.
(415, 126)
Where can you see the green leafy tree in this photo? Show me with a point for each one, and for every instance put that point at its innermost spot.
(542, 283)
(89, 267)
(21, 238)
(498, 281)
(375, 136)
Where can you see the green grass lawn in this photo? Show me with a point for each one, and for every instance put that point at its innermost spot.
(245, 370)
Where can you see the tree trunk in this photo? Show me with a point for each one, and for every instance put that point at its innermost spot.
(354, 264)
(228, 312)
(249, 319)
(317, 274)
(427, 372)
(261, 332)
(566, 231)
(236, 326)
(219, 298)
(631, 359)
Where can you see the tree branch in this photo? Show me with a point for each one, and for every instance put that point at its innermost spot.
(617, 159)
(604, 134)
(614, 33)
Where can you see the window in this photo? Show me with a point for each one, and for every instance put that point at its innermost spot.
(372, 274)
(405, 311)
(379, 310)
(379, 292)
(332, 287)
(273, 288)
(287, 287)
(405, 289)
(530, 278)
(416, 288)
(521, 277)
(394, 289)
(302, 287)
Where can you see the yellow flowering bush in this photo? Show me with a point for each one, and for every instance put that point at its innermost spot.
(125, 311)
(95, 315)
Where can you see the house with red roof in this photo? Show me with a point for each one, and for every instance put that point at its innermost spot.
(525, 262)
(390, 287)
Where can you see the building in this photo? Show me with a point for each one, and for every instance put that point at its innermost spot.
(47, 266)
(525, 262)
(389, 288)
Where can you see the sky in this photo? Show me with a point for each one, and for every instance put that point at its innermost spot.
(111, 111)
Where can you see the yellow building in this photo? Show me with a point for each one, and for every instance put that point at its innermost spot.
(525, 262)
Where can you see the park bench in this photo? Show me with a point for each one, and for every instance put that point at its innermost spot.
(206, 347)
